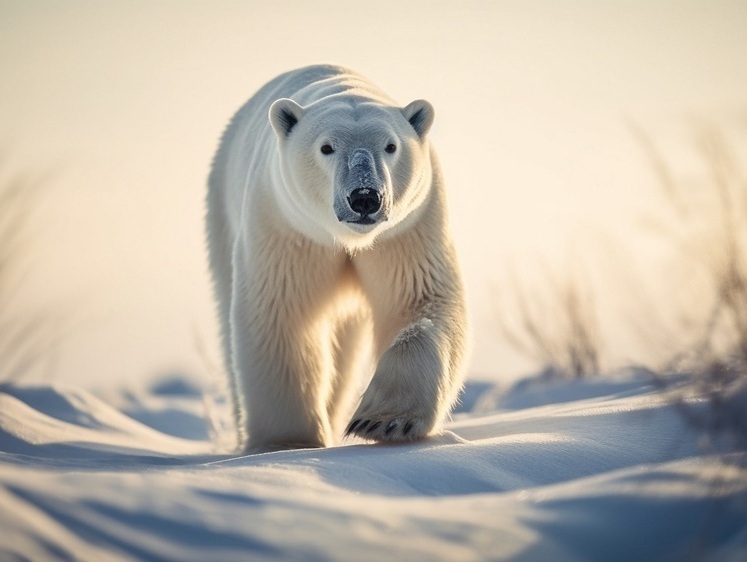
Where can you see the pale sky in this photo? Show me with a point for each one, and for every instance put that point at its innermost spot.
(124, 103)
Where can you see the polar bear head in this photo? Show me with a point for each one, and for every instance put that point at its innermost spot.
(351, 168)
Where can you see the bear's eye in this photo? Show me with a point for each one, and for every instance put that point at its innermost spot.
(327, 149)
(390, 148)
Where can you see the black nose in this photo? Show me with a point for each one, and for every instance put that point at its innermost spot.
(365, 201)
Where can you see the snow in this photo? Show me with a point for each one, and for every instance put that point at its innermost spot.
(598, 469)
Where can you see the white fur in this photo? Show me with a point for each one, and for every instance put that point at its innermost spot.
(305, 298)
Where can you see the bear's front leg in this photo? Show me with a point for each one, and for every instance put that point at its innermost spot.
(410, 391)
(282, 348)
(283, 378)
(420, 318)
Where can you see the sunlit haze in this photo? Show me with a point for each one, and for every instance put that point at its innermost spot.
(120, 106)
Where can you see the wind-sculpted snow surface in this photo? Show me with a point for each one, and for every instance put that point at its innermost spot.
(614, 474)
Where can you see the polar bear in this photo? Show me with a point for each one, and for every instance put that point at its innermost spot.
(329, 247)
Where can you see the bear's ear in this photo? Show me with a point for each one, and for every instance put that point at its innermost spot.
(420, 115)
(284, 114)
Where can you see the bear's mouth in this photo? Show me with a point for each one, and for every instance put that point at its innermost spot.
(362, 220)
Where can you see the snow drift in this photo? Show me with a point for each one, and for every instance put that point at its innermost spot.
(603, 469)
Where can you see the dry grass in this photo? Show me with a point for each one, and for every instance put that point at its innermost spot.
(559, 328)
(706, 229)
(224, 435)
(25, 338)
(708, 233)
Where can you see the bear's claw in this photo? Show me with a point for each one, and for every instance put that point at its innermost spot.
(383, 430)
(390, 427)
(351, 427)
